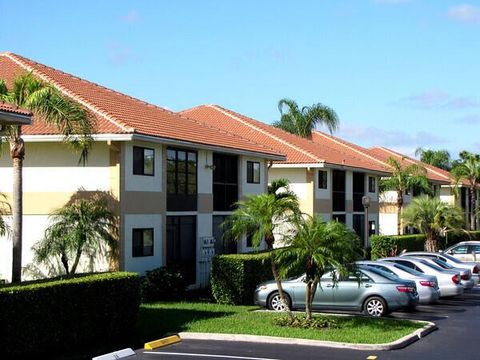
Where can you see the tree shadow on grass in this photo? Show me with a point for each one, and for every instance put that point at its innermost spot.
(156, 322)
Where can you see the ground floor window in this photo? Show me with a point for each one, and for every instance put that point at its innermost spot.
(182, 245)
(340, 218)
(359, 225)
(223, 243)
(142, 242)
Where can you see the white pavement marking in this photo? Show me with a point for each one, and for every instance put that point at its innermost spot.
(206, 355)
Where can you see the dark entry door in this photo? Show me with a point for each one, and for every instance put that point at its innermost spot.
(182, 245)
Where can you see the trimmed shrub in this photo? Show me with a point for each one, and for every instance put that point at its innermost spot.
(391, 245)
(42, 316)
(235, 277)
(457, 236)
(163, 284)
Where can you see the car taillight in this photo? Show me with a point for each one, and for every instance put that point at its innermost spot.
(475, 270)
(465, 277)
(428, 283)
(456, 279)
(407, 289)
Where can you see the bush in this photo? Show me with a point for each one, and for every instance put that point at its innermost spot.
(63, 313)
(235, 277)
(391, 245)
(163, 284)
(457, 236)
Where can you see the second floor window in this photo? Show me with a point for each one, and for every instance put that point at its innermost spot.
(225, 182)
(322, 179)
(371, 184)
(143, 161)
(253, 172)
(181, 180)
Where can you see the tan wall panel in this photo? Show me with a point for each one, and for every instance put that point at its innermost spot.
(205, 203)
(323, 206)
(374, 207)
(143, 202)
(388, 209)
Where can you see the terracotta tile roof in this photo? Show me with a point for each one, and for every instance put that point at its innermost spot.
(298, 150)
(13, 109)
(433, 173)
(116, 113)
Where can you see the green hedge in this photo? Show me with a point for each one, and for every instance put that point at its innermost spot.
(234, 277)
(386, 245)
(62, 314)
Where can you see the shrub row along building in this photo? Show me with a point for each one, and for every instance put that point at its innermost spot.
(172, 178)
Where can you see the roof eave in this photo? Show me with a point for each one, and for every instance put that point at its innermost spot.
(9, 118)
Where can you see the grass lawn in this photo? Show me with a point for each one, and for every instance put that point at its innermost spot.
(157, 319)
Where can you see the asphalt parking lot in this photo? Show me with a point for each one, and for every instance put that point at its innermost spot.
(458, 321)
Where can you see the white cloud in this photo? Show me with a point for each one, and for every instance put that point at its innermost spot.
(435, 99)
(465, 13)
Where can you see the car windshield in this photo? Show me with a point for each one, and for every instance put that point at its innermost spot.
(430, 265)
(442, 264)
(449, 257)
(408, 270)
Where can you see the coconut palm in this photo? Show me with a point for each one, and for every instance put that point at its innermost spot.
(438, 158)
(402, 179)
(303, 121)
(80, 227)
(319, 246)
(259, 216)
(64, 114)
(467, 168)
(432, 217)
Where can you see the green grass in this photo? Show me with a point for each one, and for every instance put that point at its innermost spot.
(157, 319)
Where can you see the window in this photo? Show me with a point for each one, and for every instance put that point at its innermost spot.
(182, 245)
(371, 184)
(143, 161)
(181, 180)
(253, 172)
(225, 182)
(339, 218)
(338, 190)
(322, 179)
(142, 242)
(224, 243)
(358, 189)
(371, 227)
(359, 225)
(461, 250)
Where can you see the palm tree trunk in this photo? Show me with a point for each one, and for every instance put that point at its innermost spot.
(17, 153)
(77, 260)
(473, 204)
(308, 302)
(64, 260)
(279, 285)
(431, 244)
(399, 212)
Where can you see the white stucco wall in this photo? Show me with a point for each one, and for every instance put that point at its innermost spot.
(250, 188)
(387, 224)
(323, 193)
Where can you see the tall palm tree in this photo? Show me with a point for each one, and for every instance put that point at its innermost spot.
(303, 121)
(259, 216)
(47, 104)
(80, 227)
(402, 179)
(438, 158)
(432, 217)
(320, 247)
(468, 168)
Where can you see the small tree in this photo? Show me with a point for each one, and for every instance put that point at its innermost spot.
(258, 216)
(432, 217)
(302, 121)
(402, 179)
(80, 227)
(320, 246)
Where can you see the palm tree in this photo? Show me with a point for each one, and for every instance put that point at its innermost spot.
(303, 121)
(258, 216)
(467, 168)
(320, 247)
(46, 102)
(402, 179)
(438, 158)
(80, 227)
(432, 217)
(4, 210)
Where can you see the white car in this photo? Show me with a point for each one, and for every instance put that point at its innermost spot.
(427, 285)
(448, 280)
(456, 263)
(465, 251)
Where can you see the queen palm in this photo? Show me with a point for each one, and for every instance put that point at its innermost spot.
(259, 216)
(64, 114)
(438, 158)
(302, 121)
(432, 217)
(78, 228)
(402, 179)
(319, 246)
(468, 169)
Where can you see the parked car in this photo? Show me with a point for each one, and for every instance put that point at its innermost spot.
(427, 285)
(465, 274)
(448, 280)
(456, 263)
(371, 291)
(465, 251)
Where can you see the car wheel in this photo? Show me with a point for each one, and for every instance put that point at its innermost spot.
(275, 302)
(375, 306)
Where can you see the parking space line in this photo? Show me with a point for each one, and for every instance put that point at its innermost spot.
(206, 355)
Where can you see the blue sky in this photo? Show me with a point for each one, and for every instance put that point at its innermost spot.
(399, 73)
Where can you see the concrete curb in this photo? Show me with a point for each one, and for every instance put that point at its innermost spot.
(398, 344)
